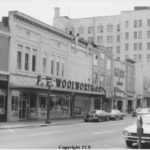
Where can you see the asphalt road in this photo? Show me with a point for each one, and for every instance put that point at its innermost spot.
(80, 135)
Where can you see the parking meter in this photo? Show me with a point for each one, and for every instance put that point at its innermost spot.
(139, 130)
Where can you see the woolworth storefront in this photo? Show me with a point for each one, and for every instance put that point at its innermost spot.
(68, 99)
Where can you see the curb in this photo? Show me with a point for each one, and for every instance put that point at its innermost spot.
(38, 125)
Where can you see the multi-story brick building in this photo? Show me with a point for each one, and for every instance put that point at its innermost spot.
(31, 51)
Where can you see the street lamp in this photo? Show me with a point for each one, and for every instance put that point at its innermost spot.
(49, 84)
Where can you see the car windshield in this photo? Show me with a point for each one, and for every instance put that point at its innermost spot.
(93, 112)
(114, 111)
(144, 111)
(146, 119)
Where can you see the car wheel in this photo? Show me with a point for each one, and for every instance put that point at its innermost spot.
(129, 143)
(85, 120)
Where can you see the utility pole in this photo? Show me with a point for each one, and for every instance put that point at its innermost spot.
(49, 84)
(48, 121)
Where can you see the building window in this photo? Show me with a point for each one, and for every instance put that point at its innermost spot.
(135, 23)
(102, 60)
(140, 46)
(19, 57)
(44, 64)
(139, 58)
(135, 58)
(126, 47)
(148, 22)
(135, 46)
(127, 35)
(63, 69)
(91, 39)
(109, 39)
(27, 58)
(95, 78)
(52, 67)
(118, 27)
(118, 49)
(34, 60)
(140, 23)
(118, 58)
(108, 64)
(118, 38)
(91, 29)
(110, 49)
(102, 80)
(140, 35)
(99, 29)
(148, 46)
(95, 59)
(148, 57)
(126, 24)
(81, 30)
(135, 35)
(109, 28)
(148, 34)
(100, 39)
(57, 68)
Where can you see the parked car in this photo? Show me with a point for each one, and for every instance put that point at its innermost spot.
(144, 111)
(136, 112)
(116, 114)
(96, 115)
(130, 133)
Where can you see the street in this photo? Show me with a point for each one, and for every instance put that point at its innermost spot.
(80, 135)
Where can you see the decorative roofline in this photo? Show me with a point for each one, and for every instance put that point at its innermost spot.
(45, 28)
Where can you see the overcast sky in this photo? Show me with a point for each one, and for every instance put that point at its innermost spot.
(43, 10)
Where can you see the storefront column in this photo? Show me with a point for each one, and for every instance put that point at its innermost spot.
(92, 103)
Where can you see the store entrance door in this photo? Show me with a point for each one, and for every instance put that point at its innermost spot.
(24, 108)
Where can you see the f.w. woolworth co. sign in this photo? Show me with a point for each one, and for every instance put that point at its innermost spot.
(62, 83)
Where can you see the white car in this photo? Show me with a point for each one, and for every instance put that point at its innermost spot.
(130, 133)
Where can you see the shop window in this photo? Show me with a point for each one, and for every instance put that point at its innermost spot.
(32, 101)
(60, 105)
(14, 103)
(42, 102)
(2, 104)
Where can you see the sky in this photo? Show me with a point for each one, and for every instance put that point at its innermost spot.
(43, 10)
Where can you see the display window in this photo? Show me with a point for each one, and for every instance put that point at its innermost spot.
(60, 106)
(2, 104)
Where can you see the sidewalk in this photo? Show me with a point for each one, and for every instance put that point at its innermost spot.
(36, 123)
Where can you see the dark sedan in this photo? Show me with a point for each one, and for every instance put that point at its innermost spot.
(96, 115)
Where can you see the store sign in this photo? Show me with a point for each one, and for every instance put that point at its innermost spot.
(78, 86)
